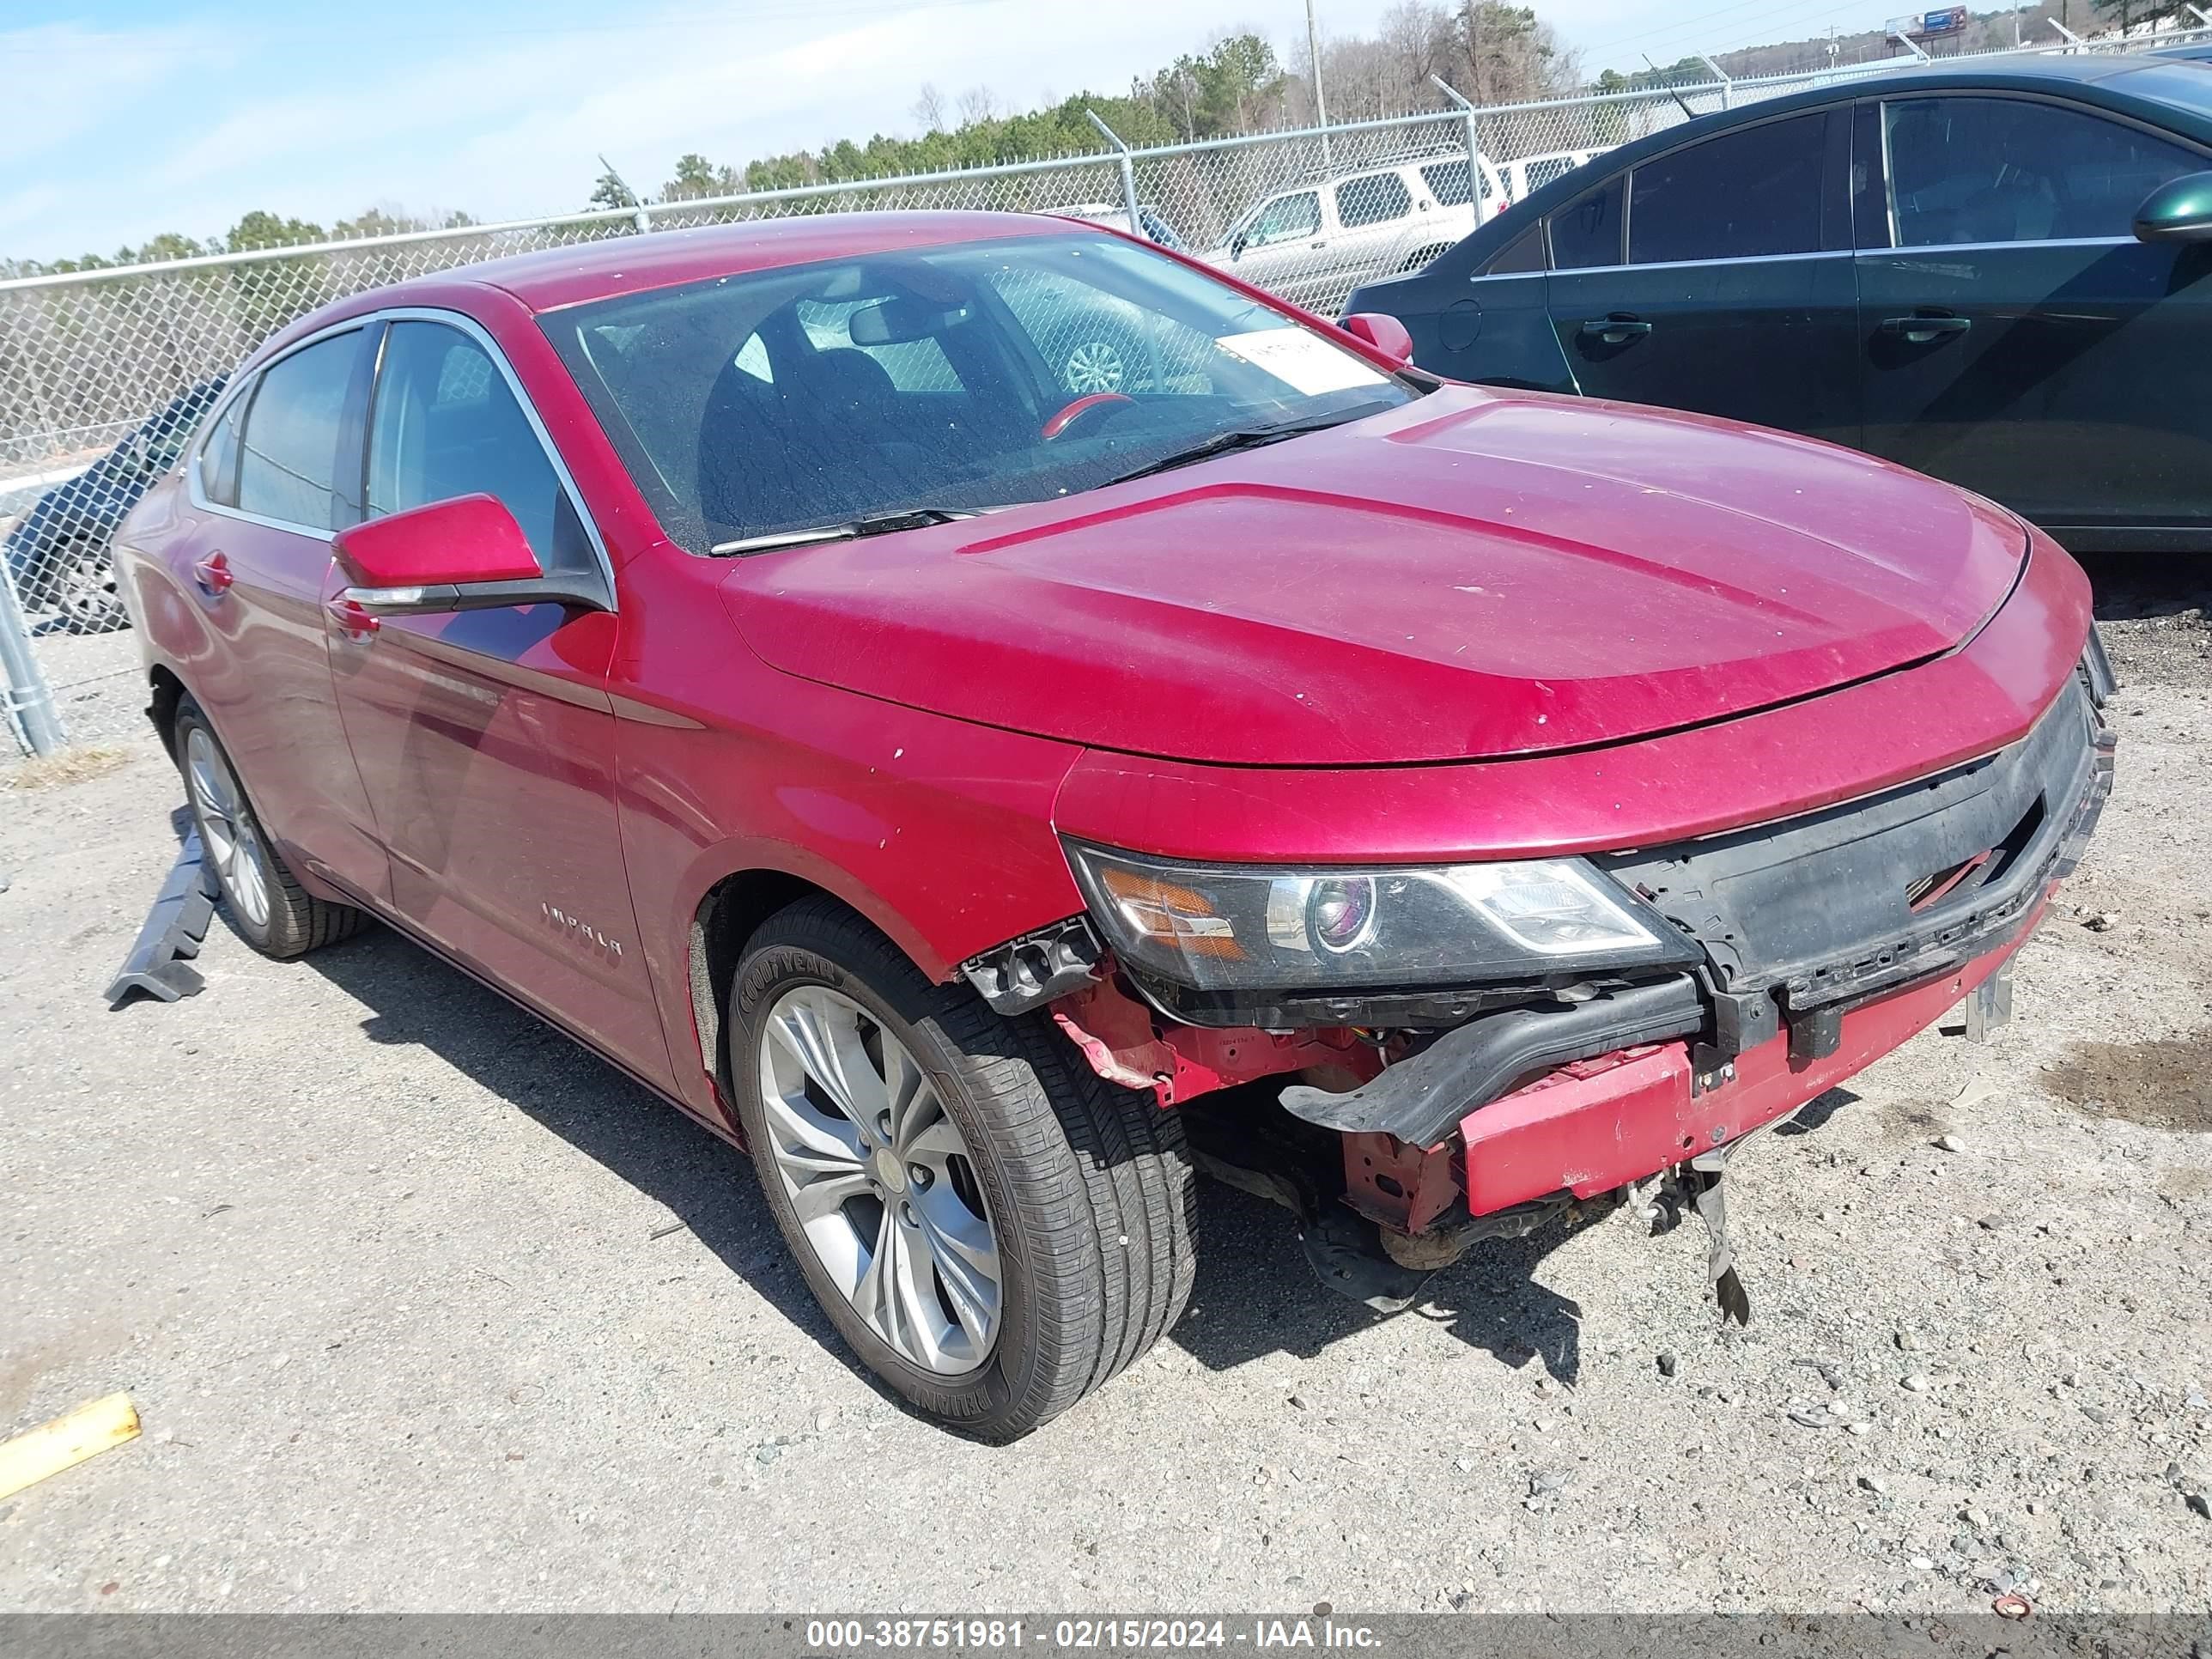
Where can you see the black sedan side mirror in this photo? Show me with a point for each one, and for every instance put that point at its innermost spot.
(2179, 210)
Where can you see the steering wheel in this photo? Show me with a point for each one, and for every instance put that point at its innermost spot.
(1077, 409)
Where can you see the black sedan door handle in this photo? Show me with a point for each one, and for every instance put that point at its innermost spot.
(1618, 329)
(1919, 329)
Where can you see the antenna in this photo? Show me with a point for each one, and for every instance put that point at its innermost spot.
(1688, 113)
(644, 220)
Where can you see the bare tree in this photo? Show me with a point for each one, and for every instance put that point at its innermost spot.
(977, 104)
(928, 110)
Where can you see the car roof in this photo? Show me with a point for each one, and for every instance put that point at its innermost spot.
(626, 264)
(2098, 79)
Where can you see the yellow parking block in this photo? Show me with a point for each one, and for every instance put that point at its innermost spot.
(90, 1430)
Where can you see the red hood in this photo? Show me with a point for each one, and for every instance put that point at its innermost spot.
(1475, 574)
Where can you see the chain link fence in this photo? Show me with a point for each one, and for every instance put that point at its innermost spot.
(104, 373)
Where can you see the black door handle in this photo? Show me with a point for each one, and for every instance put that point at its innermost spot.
(1920, 329)
(1617, 330)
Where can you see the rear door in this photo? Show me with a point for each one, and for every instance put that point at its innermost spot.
(486, 737)
(1718, 277)
(268, 490)
(1378, 230)
(2016, 338)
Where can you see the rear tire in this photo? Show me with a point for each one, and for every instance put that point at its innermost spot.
(1084, 1188)
(264, 901)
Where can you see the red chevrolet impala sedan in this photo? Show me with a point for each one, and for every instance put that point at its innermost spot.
(777, 656)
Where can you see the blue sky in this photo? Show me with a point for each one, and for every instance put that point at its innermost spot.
(121, 119)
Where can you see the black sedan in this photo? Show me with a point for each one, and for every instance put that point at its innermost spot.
(58, 554)
(2000, 275)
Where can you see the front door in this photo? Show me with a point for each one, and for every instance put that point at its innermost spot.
(1731, 291)
(268, 496)
(2017, 339)
(1284, 246)
(486, 737)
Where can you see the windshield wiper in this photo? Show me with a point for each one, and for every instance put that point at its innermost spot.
(874, 524)
(1240, 437)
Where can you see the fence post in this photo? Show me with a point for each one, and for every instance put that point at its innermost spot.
(30, 701)
(1728, 86)
(1129, 173)
(1473, 149)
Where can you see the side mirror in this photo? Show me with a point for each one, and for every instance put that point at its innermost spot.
(1382, 331)
(1236, 248)
(467, 554)
(2179, 210)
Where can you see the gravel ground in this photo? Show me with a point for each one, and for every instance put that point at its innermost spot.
(426, 1309)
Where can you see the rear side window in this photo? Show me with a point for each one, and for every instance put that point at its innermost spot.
(1372, 200)
(2011, 170)
(1449, 182)
(287, 451)
(1587, 232)
(1742, 195)
(218, 461)
(1543, 171)
(1524, 254)
(446, 423)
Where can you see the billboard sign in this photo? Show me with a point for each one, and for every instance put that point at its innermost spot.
(1919, 25)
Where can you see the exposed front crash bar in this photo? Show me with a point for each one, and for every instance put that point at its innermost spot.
(1422, 1100)
(1602, 1128)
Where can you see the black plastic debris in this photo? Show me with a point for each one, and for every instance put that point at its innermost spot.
(160, 962)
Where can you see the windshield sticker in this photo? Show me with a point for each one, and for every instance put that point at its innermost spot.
(1301, 361)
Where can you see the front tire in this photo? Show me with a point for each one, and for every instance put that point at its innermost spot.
(264, 901)
(992, 1227)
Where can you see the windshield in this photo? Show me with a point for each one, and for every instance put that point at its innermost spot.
(973, 375)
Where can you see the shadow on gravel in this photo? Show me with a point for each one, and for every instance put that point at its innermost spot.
(707, 1185)
(1257, 1296)
(2128, 585)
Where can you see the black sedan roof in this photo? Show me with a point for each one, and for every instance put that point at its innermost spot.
(2171, 91)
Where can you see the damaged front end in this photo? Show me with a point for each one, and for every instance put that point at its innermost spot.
(1465, 1052)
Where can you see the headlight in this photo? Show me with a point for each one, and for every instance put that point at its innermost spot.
(1236, 927)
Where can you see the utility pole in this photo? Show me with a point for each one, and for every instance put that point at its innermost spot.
(1320, 104)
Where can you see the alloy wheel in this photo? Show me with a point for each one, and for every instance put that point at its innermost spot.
(85, 595)
(883, 1185)
(227, 828)
(1095, 366)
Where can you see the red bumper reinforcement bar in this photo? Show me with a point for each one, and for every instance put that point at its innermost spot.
(1598, 1124)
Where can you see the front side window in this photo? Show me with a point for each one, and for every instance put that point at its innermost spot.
(445, 425)
(1587, 232)
(740, 417)
(2019, 170)
(1745, 194)
(1373, 200)
(1286, 220)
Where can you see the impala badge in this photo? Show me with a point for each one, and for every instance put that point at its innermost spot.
(578, 928)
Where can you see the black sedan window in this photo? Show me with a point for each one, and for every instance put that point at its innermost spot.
(1587, 232)
(1747, 194)
(1965, 170)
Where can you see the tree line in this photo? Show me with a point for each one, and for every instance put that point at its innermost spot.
(254, 231)
(1489, 51)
